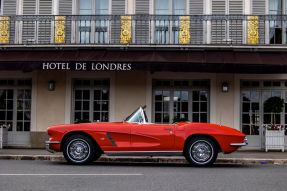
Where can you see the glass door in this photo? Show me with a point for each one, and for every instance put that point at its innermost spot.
(255, 114)
(15, 113)
(171, 106)
(251, 118)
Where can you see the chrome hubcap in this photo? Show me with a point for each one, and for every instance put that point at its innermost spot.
(78, 150)
(201, 151)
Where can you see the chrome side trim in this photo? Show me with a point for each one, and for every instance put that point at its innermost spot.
(238, 144)
(48, 143)
(52, 142)
(145, 153)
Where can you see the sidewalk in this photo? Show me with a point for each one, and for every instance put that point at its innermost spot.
(239, 157)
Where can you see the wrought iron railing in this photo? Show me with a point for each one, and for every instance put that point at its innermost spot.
(144, 30)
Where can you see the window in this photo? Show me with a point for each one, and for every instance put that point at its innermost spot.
(254, 113)
(39, 30)
(93, 29)
(180, 100)
(276, 30)
(229, 30)
(15, 104)
(91, 100)
(167, 31)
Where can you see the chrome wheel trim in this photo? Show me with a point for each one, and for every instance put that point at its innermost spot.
(201, 152)
(78, 150)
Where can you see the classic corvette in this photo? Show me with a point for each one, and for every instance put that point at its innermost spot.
(198, 142)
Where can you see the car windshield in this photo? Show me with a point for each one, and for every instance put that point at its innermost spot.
(138, 116)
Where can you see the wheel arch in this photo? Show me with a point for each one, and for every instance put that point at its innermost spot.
(202, 135)
(69, 134)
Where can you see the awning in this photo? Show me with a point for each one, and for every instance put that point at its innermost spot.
(222, 61)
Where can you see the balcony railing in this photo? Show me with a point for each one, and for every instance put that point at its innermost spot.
(239, 30)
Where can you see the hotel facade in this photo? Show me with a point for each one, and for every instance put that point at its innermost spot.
(67, 61)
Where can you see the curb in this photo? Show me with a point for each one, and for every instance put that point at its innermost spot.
(160, 160)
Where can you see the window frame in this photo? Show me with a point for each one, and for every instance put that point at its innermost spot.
(91, 88)
(16, 88)
(166, 32)
(190, 89)
(283, 24)
(261, 88)
(92, 34)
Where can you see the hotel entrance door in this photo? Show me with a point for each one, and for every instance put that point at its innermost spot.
(255, 114)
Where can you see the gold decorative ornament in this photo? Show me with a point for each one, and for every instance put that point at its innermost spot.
(184, 29)
(253, 33)
(4, 30)
(126, 30)
(60, 29)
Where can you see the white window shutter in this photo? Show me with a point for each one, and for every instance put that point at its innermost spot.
(44, 25)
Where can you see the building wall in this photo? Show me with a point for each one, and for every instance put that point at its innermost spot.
(130, 93)
(50, 105)
(225, 101)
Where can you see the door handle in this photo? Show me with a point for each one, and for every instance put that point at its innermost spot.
(169, 130)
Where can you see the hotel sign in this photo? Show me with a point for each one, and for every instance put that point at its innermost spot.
(86, 66)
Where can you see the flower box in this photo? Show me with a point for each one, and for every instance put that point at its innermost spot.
(274, 139)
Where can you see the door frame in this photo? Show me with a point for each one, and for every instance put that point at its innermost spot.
(261, 89)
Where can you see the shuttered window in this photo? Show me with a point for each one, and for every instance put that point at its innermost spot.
(227, 30)
(196, 24)
(66, 8)
(258, 7)
(37, 31)
(235, 25)
(142, 6)
(44, 25)
(118, 8)
(9, 7)
(142, 22)
(29, 26)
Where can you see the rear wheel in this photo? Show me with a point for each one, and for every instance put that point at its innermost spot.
(79, 149)
(201, 151)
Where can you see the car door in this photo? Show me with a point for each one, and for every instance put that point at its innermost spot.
(113, 136)
(152, 137)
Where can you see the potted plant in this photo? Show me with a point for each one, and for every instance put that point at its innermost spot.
(274, 133)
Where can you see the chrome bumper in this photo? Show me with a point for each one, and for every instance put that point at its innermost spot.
(240, 144)
(48, 143)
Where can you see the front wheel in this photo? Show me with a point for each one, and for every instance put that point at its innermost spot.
(201, 151)
(79, 149)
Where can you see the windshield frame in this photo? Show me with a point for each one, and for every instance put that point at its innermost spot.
(139, 111)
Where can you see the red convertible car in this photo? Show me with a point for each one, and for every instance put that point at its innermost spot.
(198, 142)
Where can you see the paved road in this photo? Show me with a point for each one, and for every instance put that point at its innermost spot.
(57, 176)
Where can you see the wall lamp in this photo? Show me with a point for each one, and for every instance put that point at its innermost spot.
(51, 85)
(225, 87)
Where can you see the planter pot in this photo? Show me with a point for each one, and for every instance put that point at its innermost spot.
(274, 140)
